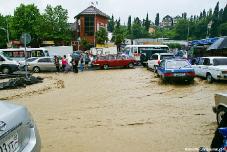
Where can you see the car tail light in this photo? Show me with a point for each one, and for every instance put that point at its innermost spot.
(168, 74)
(190, 74)
(159, 61)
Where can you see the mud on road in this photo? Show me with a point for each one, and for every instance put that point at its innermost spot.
(126, 110)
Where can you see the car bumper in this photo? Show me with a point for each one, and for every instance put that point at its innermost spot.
(34, 144)
(222, 77)
(179, 78)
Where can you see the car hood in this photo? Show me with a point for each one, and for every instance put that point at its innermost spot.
(11, 115)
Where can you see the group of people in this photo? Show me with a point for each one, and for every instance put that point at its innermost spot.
(72, 63)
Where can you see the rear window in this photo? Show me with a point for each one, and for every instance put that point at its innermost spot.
(177, 64)
(154, 57)
(166, 57)
(221, 61)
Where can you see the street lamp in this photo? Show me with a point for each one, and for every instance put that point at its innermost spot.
(7, 32)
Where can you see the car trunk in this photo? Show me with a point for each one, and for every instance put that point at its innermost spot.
(14, 128)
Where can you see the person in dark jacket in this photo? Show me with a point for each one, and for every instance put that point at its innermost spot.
(75, 63)
(56, 62)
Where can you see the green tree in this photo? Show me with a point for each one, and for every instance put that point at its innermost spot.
(215, 21)
(55, 26)
(111, 24)
(3, 38)
(101, 36)
(85, 44)
(129, 25)
(27, 19)
(223, 29)
(119, 35)
(204, 13)
(181, 29)
(224, 16)
(147, 23)
(138, 31)
(157, 19)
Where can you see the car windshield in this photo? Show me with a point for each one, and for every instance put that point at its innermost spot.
(6, 56)
(221, 61)
(166, 57)
(178, 64)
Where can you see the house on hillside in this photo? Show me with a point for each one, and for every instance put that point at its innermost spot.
(167, 21)
(88, 22)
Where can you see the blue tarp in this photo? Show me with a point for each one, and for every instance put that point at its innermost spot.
(208, 41)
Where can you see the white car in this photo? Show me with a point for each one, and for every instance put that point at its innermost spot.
(18, 132)
(212, 68)
(156, 58)
(8, 65)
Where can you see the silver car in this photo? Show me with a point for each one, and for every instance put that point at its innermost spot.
(42, 64)
(18, 133)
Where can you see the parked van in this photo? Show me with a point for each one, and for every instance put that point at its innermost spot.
(8, 65)
(18, 54)
(141, 53)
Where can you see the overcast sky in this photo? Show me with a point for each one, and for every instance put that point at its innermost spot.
(121, 8)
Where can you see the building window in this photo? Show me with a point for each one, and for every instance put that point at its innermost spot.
(89, 25)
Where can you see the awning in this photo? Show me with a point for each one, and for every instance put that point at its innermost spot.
(220, 44)
(208, 41)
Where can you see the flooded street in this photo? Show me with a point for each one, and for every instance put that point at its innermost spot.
(124, 110)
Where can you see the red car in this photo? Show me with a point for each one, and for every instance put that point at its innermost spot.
(113, 61)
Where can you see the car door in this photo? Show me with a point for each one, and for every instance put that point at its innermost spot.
(45, 64)
(112, 62)
(161, 68)
(204, 68)
(152, 61)
(50, 66)
(198, 67)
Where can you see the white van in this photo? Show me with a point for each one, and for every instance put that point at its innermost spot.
(141, 53)
(8, 65)
(18, 54)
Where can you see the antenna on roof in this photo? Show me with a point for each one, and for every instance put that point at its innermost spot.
(94, 3)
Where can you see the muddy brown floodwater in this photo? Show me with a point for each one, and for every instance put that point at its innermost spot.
(126, 110)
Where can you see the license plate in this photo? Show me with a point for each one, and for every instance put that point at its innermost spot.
(10, 145)
(179, 74)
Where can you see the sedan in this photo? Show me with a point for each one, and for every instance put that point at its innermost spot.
(18, 132)
(113, 61)
(176, 69)
(42, 64)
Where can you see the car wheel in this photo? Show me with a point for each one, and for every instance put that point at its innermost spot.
(131, 65)
(221, 111)
(106, 67)
(209, 78)
(6, 70)
(36, 69)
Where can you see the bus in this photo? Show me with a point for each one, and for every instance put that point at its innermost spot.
(141, 53)
(18, 54)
